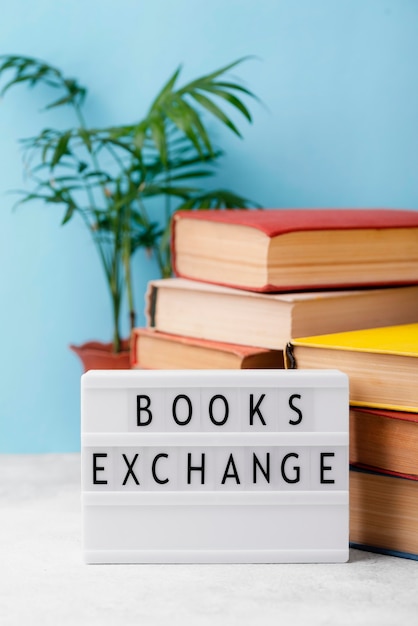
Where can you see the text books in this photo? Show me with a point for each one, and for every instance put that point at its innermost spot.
(288, 250)
(156, 350)
(382, 368)
(384, 512)
(386, 440)
(195, 309)
(380, 362)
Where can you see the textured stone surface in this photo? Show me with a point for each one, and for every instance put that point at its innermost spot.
(44, 581)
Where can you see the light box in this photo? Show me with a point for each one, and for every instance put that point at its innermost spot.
(246, 466)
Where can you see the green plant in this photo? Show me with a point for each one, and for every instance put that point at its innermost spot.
(107, 176)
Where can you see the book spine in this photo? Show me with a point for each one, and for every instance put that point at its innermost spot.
(133, 348)
(151, 305)
(289, 357)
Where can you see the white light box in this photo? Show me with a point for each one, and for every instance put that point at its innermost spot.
(246, 466)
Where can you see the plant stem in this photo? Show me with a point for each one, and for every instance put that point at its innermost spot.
(126, 258)
(117, 344)
(112, 271)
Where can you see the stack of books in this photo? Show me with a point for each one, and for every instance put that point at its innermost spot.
(248, 282)
(382, 365)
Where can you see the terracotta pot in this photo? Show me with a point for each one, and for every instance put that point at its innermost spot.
(95, 355)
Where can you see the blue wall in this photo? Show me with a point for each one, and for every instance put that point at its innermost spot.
(338, 128)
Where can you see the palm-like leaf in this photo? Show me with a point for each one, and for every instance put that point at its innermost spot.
(107, 176)
(32, 71)
(175, 106)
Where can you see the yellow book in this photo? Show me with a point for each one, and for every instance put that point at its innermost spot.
(382, 363)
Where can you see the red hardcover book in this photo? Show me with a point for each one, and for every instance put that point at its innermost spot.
(383, 439)
(155, 350)
(297, 249)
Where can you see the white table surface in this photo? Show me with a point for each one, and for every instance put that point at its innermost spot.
(43, 579)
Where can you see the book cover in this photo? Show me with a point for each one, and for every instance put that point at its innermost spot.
(400, 339)
(275, 222)
(291, 249)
